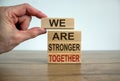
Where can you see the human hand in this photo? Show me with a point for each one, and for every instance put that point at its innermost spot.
(14, 22)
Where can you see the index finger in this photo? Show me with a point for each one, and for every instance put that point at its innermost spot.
(26, 9)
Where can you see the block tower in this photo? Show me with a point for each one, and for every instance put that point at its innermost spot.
(64, 43)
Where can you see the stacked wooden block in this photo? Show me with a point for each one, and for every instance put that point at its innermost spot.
(64, 43)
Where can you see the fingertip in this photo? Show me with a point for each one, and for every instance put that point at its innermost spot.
(37, 31)
(42, 15)
(43, 30)
(29, 10)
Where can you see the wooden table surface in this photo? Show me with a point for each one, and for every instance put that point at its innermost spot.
(33, 66)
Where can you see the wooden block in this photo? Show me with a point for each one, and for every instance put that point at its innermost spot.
(64, 58)
(64, 47)
(64, 36)
(57, 23)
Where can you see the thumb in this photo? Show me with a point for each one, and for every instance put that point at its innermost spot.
(31, 33)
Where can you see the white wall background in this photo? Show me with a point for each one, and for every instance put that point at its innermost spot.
(99, 21)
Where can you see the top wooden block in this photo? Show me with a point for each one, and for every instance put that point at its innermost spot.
(57, 23)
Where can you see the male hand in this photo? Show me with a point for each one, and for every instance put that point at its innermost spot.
(14, 22)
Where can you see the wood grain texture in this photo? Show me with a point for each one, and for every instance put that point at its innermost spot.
(64, 43)
(64, 47)
(33, 66)
(64, 36)
(64, 58)
(57, 23)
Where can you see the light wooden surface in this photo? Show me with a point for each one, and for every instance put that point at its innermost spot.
(33, 66)
(57, 23)
(64, 46)
(64, 36)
